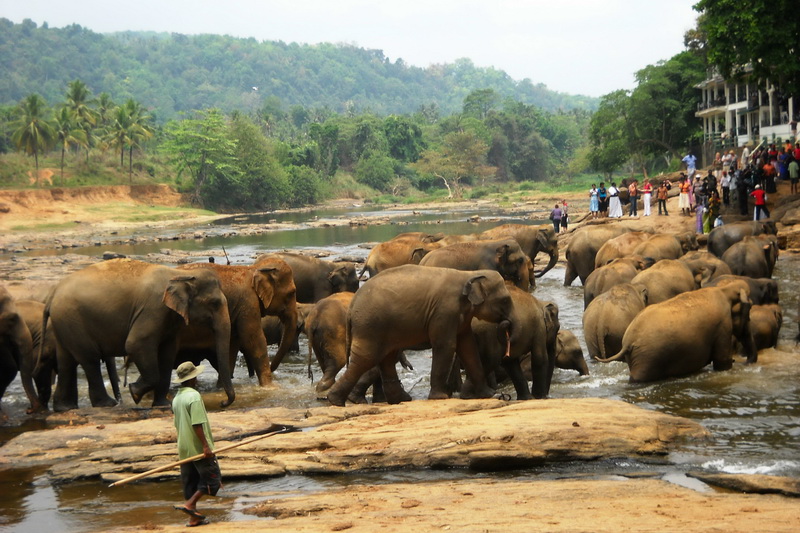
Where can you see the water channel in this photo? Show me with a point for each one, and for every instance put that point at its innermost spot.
(753, 412)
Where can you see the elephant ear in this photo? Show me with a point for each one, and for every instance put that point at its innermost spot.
(417, 255)
(544, 240)
(645, 294)
(474, 290)
(178, 295)
(502, 254)
(337, 271)
(264, 284)
(703, 275)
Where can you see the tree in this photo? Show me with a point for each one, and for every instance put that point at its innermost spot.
(462, 155)
(67, 134)
(610, 133)
(762, 35)
(479, 102)
(78, 101)
(202, 147)
(376, 170)
(33, 133)
(404, 138)
(139, 130)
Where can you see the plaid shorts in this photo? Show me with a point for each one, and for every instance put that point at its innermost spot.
(202, 475)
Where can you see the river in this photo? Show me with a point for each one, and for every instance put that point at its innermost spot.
(752, 412)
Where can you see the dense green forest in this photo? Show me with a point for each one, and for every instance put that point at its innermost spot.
(172, 73)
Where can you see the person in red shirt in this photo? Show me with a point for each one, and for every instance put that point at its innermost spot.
(761, 202)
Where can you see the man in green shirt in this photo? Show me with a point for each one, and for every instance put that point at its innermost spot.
(202, 476)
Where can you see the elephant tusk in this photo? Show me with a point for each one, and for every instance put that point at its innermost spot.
(508, 345)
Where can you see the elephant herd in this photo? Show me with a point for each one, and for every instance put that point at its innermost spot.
(157, 317)
(653, 300)
(668, 309)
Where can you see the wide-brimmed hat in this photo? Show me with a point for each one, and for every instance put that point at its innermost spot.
(187, 371)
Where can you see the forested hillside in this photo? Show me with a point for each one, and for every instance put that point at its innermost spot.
(174, 73)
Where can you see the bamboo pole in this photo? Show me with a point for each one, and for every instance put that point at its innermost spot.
(283, 429)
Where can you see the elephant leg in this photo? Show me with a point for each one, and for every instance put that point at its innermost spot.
(330, 367)
(570, 274)
(8, 370)
(113, 377)
(43, 381)
(392, 388)
(467, 351)
(97, 388)
(166, 360)
(65, 396)
(441, 367)
(367, 380)
(144, 356)
(517, 377)
(361, 360)
(254, 348)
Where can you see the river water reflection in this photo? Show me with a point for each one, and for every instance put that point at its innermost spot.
(752, 412)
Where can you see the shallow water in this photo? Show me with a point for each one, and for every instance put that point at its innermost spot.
(752, 412)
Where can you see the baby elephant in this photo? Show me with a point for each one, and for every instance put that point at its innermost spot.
(765, 323)
(325, 328)
(569, 355)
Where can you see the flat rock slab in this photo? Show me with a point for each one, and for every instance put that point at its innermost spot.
(479, 434)
(481, 505)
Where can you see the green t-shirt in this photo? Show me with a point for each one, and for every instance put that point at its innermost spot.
(189, 411)
(793, 170)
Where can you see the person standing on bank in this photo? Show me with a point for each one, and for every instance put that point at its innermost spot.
(564, 216)
(647, 194)
(662, 194)
(633, 195)
(725, 183)
(202, 476)
(555, 216)
(594, 202)
(602, 199)
(761, 203)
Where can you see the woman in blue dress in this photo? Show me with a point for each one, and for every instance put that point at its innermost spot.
(594, 203)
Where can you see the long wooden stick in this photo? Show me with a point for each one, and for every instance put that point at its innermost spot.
(284, 429)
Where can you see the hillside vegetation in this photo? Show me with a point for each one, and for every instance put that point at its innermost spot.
(172, 73)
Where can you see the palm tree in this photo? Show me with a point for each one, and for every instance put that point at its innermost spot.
(105, 109)
(78, 101)
(67, 134)
(117, 134)
(139, 130)
(33, 133)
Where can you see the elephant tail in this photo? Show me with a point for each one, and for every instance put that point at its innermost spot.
(620, 356)
(37, 367)
(310, 335)
(348, 339)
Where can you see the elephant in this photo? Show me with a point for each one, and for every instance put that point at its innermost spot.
(503, 255)
(714, 266)
(682, 335)
(620, 246)
(534, 325)
(532, 239)
(569, 355)
(609, 315)
(762, 290)
(404, 249)
(725, 236)
(273, 329)
(127, 307)
(410, 305)
(765, 324)
(325, 328)
(16, 350)
(314, 278)
(753, 256)
(620, 270)
(251, 293)
(666, 246)
(583, 247)
(44, 362)
(667, 279)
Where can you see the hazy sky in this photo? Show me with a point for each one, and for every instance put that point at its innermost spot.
(589, 47)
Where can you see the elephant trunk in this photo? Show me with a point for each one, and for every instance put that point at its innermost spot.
(551, 263)
(289, 322)
(222, 333)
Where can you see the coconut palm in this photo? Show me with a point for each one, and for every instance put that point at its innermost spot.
(129, 128)
(68, 134)
(78, 101)
(33, 133)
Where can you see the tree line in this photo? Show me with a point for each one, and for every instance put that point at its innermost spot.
(176, 73)
(291, 156)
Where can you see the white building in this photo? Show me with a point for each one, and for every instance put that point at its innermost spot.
(736, 114)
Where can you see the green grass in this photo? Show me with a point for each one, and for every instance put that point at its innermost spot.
(46, 227)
